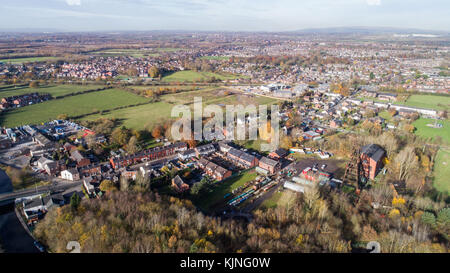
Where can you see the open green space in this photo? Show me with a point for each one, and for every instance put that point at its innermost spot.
(54, 90)
(421, 101)
(385, 114)
(215, 58)
(281, 198)
(28, 60)
(72, 106)
(224, 187)
(429, 132)
(442, 171)
(134, 52)
(428, 101)
(193, 76)
(138, 117)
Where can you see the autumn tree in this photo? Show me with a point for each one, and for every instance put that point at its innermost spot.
(132, 147)
(107, 186)
(34, 84)
(121, 135)
(153, 72)
(157, 131)
(406, 161)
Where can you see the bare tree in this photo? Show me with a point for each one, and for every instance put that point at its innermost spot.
(406, 161)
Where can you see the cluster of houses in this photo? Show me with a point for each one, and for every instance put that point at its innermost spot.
(372, 160)
(23, 100)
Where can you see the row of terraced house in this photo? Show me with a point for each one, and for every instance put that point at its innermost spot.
(147, 155)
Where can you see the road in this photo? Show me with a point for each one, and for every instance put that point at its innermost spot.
(62, 186)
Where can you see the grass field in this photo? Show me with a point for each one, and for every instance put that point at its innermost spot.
(192, 76)
(442, 171)
(54, 90)
(216, 58)
(72, 106)
(279, 199)
(225, 187)
(428, 101)
(28, 60)
(428, 132)
(385, 114)
(421, 101)
(138, 117)
(135, 53)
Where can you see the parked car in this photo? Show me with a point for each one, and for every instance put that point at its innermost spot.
(39, 246)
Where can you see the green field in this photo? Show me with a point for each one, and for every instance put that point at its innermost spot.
(428, 132)
(54, 90)
(138, 117)
(28, 60)
(428, 101)
(135, 53)
(385, 114)
(442, 171)
(215, 58)
(421, 101)
(225, 187)
(279, 199)
(72, 106)
(193, 76)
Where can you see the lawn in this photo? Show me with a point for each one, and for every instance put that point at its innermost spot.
(72, 106)
(428, 101)
(28, 60)
(54, 90)
(442, 171)
(428, 132)
(138, 117)
(279, 199)
(225, 187)
(193, 76)
(385, 114)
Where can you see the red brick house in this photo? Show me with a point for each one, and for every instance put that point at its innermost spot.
(272, 166)
(372, 157)
(278, 154)
(179, 185)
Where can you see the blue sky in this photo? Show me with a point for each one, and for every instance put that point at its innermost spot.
(230, 15)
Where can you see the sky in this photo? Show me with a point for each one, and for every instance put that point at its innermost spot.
(221, 15)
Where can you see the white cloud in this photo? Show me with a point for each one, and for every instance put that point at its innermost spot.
(373, 2)
(73, 2)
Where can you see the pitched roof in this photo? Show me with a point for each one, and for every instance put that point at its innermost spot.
(268, 161)
(373, 151)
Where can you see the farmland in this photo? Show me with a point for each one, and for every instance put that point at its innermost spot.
(72, 106)
(193, 76)
(54, 90)
(133, 52)
(138, 117)
(425, 131)
(442, 171)
(29, 60)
